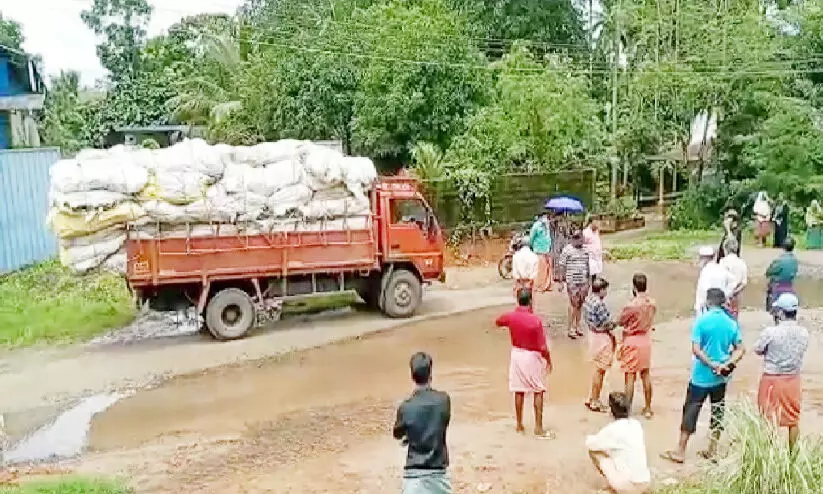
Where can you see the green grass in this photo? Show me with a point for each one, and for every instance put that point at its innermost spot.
(758, 460)
(46, 303)
(671, 245)
(68, 486)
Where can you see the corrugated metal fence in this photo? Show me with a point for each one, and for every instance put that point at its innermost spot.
(24, 190)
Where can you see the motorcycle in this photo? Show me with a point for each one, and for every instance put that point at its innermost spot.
(504, 265)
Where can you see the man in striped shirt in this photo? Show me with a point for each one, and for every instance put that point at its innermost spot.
(574, 261)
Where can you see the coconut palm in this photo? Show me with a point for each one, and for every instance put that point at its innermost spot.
(213, 94)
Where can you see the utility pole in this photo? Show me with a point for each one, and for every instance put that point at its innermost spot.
(615, 61)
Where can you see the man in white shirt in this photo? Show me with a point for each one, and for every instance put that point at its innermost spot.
(738, 270)
(618, 451)
(712, 275)
(525, 268)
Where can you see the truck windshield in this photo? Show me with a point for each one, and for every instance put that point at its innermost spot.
(408, 211)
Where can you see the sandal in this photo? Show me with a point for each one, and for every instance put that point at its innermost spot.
(707, 455)
(647, 414)
(572, 336)
(672, 457)
(596, 407)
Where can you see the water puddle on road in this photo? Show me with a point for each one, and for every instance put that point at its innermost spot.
(65, 436)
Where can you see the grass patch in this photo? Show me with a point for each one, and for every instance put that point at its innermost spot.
(671, 245)
(758, 460)
(46, 303)
(68, 486)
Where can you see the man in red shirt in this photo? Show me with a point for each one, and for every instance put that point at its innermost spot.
(530, 359)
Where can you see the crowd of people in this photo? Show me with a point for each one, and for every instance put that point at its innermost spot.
(571, 259)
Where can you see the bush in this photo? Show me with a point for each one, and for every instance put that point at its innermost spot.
(703, 207)
(758, 460)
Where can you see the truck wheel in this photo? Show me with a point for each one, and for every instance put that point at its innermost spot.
(230, 314)
(403, 294)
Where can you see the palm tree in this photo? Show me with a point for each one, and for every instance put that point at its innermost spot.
(212, 94)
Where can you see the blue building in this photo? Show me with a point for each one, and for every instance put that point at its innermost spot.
(22, 92)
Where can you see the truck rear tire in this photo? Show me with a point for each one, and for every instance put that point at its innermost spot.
(403, 294)
(230, 314)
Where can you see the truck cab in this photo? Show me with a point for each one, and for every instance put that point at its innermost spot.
(407, 229)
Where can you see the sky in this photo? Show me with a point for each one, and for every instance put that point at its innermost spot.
(54, 30)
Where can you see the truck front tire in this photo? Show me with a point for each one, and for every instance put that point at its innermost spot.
(230, 314)
(402, 295)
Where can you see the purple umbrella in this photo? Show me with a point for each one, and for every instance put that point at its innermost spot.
(565, 204)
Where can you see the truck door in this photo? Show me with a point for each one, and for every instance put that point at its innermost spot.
(408, 232)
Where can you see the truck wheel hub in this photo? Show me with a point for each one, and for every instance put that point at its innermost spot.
(403, 294)
(231, 315)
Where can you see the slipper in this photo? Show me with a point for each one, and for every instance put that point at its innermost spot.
(595, 407)
(648, 414)
(672, 457)
(706, 455)
(546, 436)
(572, 336)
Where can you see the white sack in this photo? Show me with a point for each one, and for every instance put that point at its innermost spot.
(217, 206)
(289, 200)
(92, 199)
(190, 156)
(100, 174)
(263, 181)
(177, 187)
(100, 237)
(335, 208)
(268, 152)
(116, 263)
(323, 164)
(359, 171)
(85, 255)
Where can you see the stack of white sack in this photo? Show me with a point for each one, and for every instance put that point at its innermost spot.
(198, 190)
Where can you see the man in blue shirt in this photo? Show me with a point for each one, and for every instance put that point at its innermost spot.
(717, 348)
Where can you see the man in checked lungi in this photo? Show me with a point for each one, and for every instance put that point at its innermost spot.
(783, 348)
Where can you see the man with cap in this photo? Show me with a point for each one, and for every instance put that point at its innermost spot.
(712, 275)
(782, 347)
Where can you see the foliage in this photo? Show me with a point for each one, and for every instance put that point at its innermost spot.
(47, 303)
(150, 144)
(703, 207)
(63, 123)
(664, 246)
(67, 486)
(424, 98)
(621, 207)
(427, 161)
(11, 33)
(758, 460)
(121, 25)
(540, 119)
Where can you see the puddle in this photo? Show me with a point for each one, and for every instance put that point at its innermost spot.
(65, 436)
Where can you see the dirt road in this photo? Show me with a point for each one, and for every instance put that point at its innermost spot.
(317, 421)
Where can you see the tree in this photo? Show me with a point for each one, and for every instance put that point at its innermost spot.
(553, 26)
(122, 26)
(62, 124)
(11, 33)
(421, 78)
(542, 118)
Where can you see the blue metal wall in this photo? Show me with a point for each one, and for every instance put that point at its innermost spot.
(24, 190)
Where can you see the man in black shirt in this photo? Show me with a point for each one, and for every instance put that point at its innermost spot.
(421, 424)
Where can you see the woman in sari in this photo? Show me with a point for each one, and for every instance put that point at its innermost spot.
(781, 221)
(762, 218)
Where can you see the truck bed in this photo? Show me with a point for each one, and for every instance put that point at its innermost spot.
(180, 260)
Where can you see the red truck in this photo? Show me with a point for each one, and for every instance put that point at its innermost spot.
(236, 282)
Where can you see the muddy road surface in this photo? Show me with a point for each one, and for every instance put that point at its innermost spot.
(319, 421)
